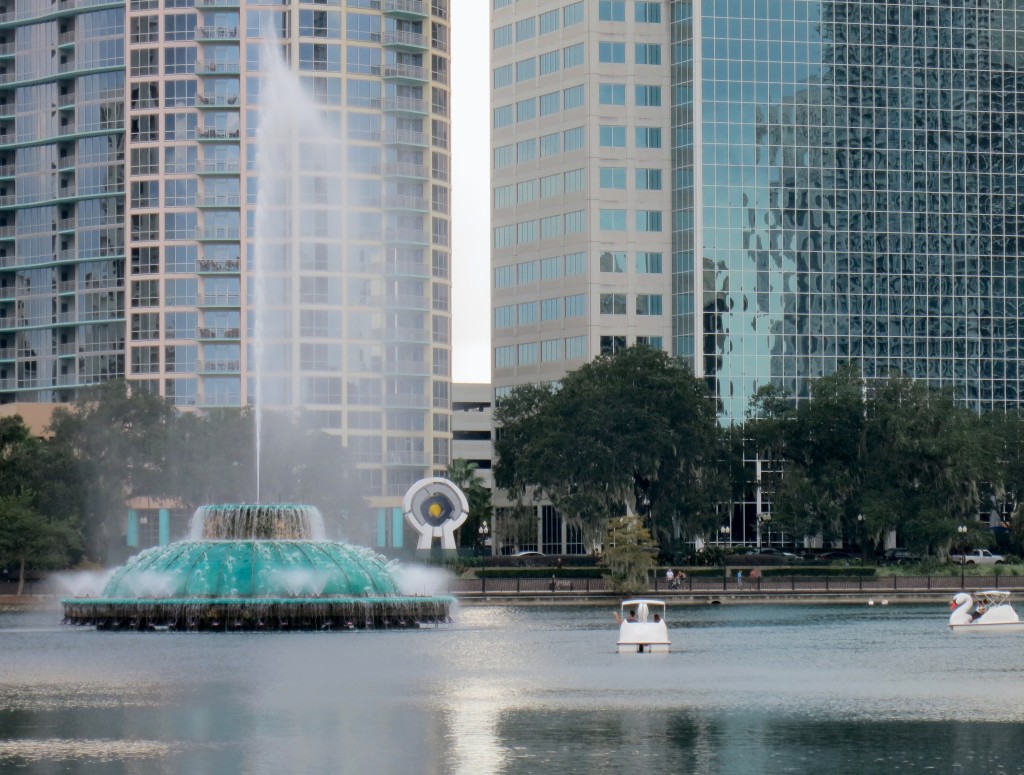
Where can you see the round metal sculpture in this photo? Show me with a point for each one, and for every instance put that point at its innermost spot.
(435, 507)
(256, 567)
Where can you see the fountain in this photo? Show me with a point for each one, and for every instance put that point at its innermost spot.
(256, 567)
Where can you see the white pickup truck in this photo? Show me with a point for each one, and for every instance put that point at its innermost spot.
(977, 557)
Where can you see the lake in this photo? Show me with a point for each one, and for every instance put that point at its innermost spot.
(747, 689)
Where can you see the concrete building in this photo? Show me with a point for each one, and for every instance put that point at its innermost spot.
(128, 197)
(768, 190)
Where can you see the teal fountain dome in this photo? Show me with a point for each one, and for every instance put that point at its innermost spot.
(256, 567)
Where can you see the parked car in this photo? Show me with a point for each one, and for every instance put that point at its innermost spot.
(977, 557)
(898, 557)
(838, 557)
(771, 551)
(529, 559)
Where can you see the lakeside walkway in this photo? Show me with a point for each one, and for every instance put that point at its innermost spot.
(704, 590)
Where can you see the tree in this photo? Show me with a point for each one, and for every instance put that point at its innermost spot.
(30, 539)
(462, 473)
(629, 553)
(119, 440)
(862, 458)
(632, 432)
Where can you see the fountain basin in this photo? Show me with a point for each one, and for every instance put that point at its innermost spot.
(249, 583)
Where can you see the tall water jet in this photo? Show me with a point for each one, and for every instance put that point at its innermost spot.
(256, 567)
(299, 168)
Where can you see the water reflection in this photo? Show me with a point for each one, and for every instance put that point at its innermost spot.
(771, 689)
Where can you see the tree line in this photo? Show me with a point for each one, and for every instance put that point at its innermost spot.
(637, 434)
(63, 497)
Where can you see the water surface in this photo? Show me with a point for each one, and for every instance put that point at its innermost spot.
(746, 689)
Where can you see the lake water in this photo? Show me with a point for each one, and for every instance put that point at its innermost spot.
(746, 689)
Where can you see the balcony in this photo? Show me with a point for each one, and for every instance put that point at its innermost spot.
(218, 300)
(64, 349)
(6, 50)
(216, 134)
(413, 203)
(407, 369)
(406, 401)
(406, 269)
(218, 67)
(219, 367)
(218, 333)
(66, 100)
(216, 5)
(406, 137)
(402, 335)
(407, 457)
(65, 287)
(406, 170)
(218, 167)
(414, 41)
(8, 353)
(225, 266)
(411, 236)
(405, 105)
(220, 101)
(219, 200)
(6, 170)
(403, 72)
(216, 33)
(66, 225)
(66, 39)
(6, 232)
(407, 9)
(220, 234)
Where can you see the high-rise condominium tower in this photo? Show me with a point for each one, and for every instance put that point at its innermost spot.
(129, 150)
(768, 189)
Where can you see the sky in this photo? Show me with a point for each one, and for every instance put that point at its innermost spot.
(471, 191)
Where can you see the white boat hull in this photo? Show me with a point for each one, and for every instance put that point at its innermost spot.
(644, 648)
(992, 627)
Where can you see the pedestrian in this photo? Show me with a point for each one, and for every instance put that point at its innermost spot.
(670, 577)
(739, 578)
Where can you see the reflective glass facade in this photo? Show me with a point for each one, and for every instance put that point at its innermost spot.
(858, 191)
(843, 180)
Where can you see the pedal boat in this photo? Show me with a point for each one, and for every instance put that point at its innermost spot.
(984, 611)
(642, 634)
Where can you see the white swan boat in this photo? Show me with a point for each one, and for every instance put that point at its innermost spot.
(642, 627)
(985, 611)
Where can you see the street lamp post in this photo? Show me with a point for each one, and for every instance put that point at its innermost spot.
(764, 520)
(483, 531)
(860, 537)
(962, 531)
(725, 530)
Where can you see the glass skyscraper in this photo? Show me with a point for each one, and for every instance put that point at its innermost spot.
(129, 136)
(841, 185)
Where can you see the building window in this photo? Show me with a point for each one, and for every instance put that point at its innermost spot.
(549, 21)
(648, 304)
(648, 137)
(504, 357)
(648, 96)
(574, 139)
(575, 264)
(526, 28)
(610, 52)
(613, 304)
(551, 227)
(648, 179)
(526, 69)
(526, 110)
(612, 93)
(551, 145)
(613, 177)
(550, 309)
(647, 53)
(575, 306)
(572, 14)
(502, 76)
(550, 185)
(550, 268)
(527, 191)
(574, 181)
(502, 36)
(613, 261)
(576, 347)
(550, 103)
(648, 11)
(504, 277)
(551, 350)
(503, 116)
(648, 263)
(575, 222)
(527, 231)
(573, 97)
(550, 62)
(611, 10)
(611, 136)
(648, 220)
(572, 56)
(527, 272)
(528, 353)
(612, 344)
(654, 342)
(526, 151)
(504, 156)
(613, 220)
